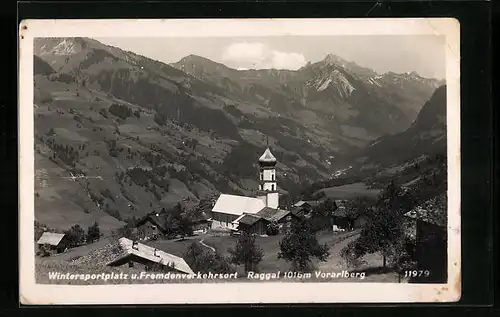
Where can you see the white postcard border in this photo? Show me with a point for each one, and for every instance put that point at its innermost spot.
(221, 293)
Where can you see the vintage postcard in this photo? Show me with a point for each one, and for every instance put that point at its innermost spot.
(239, 161)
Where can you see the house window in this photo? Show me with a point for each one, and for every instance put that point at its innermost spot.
(272, 187)
(272, 177)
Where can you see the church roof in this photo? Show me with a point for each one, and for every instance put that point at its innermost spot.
(267, 157)
(237, 205)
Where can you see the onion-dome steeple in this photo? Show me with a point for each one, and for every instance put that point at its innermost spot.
(267, 158)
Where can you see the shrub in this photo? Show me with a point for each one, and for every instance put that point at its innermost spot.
(272, 229)
(120, 111)
(300, 245)
(246, 252)
(45, 250)
(204, 260)
(93, 233)
(75, 236)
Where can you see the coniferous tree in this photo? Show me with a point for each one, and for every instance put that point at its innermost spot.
(75, 236)
(93, 233)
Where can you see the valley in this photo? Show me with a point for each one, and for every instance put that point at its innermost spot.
(142, 135)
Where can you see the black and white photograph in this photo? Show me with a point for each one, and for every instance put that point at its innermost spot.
(270, 159)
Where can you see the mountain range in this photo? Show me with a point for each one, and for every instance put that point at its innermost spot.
(139, 135)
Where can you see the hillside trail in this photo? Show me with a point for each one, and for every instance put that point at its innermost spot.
(335, 262)
(207, 246)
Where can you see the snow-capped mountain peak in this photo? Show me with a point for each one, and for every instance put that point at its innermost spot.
(66, 47)
(336, 80)
(59, 46)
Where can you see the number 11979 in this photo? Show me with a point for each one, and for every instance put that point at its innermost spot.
(417, 273)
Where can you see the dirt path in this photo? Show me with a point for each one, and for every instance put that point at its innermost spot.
(203, 244)
(335, 261)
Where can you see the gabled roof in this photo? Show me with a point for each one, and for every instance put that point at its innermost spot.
(51, 238)
(272, 214)
(249, 219)
(267, 157)
(238, 205)
(311, 203)
(154, 218)
(148, 253)
(299, 203)
(238, 219)
(433, 211)
(341, 211)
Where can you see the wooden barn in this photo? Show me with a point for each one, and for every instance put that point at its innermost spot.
(340, 219)
(56, 242)
(304, 208)
(428, 227)
(252, 224)
(139, 255)
(153, 225)
(258, 223)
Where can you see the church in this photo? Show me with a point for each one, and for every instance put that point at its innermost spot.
(252, 214)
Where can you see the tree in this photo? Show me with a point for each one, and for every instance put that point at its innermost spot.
(127, 231)
(204, 260)
(300, 245)
(246, 252)
(93, 233)
(404, 259)
(39, 230)
(177, 221)
(272, 229)
(321, 216)
(355, 208)
(172, 219)
(75, 236)
(384, 231)
(45, 250)
(185, 226)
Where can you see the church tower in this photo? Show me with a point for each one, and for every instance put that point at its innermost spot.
(268, 186)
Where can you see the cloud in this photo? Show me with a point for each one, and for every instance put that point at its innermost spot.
(256, 55)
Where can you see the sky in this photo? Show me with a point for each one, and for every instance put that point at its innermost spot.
(424, 54)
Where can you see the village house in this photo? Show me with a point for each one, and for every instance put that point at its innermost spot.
(340, 219)
(200, 225)
(303, 208)
(258, 223)
(427, 226)
(139, 255)
(56, 242)
(234, 212)
(151, 226)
